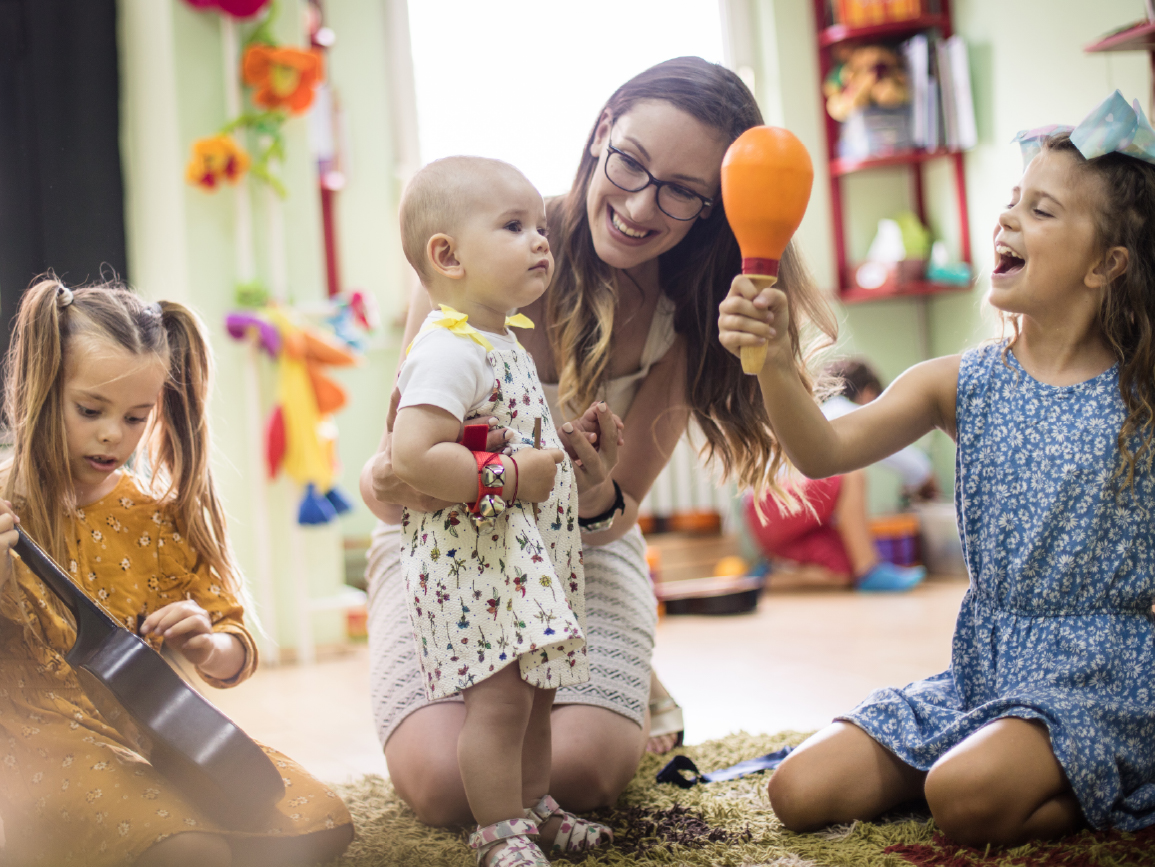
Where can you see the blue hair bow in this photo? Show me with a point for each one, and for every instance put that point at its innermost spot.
(1112, 127)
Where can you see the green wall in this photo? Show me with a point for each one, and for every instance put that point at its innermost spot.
(182, 246)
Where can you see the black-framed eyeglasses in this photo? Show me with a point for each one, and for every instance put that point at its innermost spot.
(674, 200)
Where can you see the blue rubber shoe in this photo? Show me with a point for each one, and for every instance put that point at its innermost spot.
(888, 578)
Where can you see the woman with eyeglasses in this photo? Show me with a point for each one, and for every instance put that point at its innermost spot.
(643, 257)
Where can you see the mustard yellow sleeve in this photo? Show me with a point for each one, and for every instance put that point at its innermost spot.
(202, 585)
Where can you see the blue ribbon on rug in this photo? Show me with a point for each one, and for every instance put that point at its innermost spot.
(675, 771)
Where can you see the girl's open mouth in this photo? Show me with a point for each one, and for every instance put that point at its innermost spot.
(625, 230)
(101, 463)
(1007, 261)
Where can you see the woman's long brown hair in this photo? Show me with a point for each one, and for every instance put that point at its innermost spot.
(695, 275)
(176, 447)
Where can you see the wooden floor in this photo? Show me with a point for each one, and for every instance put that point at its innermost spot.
(794, 663)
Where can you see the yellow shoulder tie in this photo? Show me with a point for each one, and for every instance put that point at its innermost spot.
(458, 323)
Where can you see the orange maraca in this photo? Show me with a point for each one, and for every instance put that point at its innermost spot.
(766, 180)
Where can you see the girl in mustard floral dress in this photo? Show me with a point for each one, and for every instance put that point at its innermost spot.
(91, 374)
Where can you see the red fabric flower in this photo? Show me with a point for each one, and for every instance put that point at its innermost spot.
(235, 8)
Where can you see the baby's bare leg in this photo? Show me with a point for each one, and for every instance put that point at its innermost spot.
(537, 749)
(1003, 786)
(839, 775)
(489, 749)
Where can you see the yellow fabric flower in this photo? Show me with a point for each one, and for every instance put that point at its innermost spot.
(214, 159)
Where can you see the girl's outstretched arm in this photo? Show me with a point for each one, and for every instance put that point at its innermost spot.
(919, 401)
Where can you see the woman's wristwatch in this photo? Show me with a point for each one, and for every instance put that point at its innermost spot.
(605, 520)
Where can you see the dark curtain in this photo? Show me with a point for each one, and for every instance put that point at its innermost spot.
(61, 195)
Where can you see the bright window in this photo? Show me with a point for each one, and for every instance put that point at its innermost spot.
(523, 80)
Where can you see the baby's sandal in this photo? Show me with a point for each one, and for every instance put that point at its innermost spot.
(513, 836)
(575, 835)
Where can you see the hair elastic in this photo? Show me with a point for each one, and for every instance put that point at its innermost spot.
(63, 296)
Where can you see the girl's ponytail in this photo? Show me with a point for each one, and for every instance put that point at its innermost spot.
(181, 443)
(39, 481)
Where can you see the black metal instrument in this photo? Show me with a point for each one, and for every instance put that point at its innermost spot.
(188, 740)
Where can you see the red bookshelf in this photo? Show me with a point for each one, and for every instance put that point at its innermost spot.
(1134, 37)
(1139, 36)
(836, 33)
(829, 36)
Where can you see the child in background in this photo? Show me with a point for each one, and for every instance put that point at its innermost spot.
(832, 536)
(1045, 720)
(91, 374)
(495, 590)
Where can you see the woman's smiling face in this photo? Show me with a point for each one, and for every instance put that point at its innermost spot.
(629, 228)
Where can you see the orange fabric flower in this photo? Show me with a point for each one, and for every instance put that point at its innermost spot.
(283, 77)
(214, 159)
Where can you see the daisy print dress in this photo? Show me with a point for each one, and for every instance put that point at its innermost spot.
(1056, 625)
(481, 601)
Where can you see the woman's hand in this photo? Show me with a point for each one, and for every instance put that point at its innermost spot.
(8, 537)
(186, 627)
(749, 316)
(590, 425)
(388, 488)
(593, 464)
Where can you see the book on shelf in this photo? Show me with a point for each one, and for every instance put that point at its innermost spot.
(915, 52)
(942, 104)
(964, 105)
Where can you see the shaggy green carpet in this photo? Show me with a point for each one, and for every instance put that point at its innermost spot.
(726, 824)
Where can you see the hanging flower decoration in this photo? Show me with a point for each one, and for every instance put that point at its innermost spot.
(283, 77)
(283, 82)
(214, 159)
(235, 8)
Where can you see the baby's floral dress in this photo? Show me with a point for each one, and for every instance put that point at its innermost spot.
(72, 790)
(1057, 624)
(481, 601)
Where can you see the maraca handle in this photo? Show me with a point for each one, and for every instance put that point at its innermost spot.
(753, 357)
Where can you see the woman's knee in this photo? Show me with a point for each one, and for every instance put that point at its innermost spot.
(435, 793)
(596, 753)
(421, 755)
(583, 786)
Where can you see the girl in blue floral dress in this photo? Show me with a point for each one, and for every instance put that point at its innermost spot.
(1045, 720)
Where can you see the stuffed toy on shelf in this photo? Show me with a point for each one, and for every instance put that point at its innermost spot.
(865, 75)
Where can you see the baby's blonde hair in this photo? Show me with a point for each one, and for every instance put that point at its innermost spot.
(438, 198)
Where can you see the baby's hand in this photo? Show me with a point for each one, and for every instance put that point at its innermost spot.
(536, 470)
(752, 317)
(8, 537)
(186, 627)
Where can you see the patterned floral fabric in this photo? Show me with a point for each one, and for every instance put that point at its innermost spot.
(1057, 623)
(72, 791)
(480, 601)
